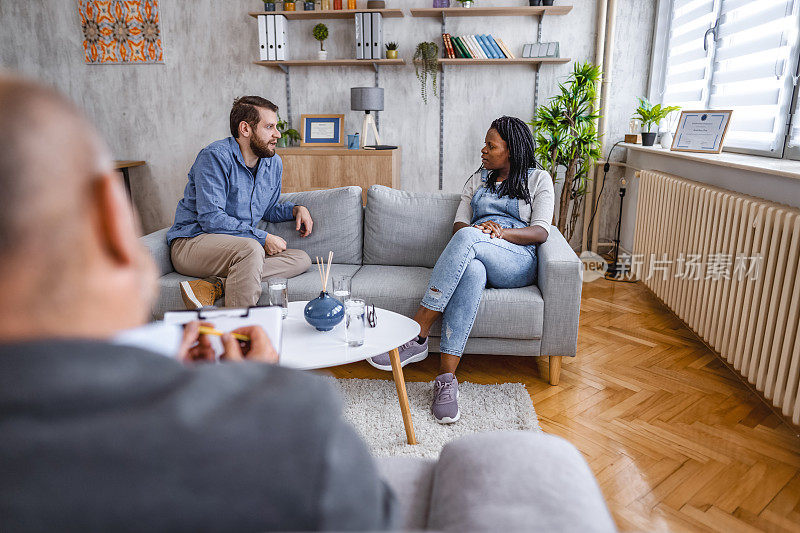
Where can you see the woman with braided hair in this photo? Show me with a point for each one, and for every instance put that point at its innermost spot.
(505, 213)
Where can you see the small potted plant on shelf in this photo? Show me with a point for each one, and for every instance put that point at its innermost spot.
(466, 3)
(269, 5)
(426, 64)
(288, 135)
(649, 114)
(391, 50)
(288, 6)
(309, 5)
(320, 33)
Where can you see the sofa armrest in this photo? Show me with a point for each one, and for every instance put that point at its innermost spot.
(560, 276)
(515, 481)
(156, 242)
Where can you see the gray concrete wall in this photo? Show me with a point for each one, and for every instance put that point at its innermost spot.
(165, 113)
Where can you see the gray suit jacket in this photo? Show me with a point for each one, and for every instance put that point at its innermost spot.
(95, 437)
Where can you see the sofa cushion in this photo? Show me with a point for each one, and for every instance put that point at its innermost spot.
(338, 224)
(169, 294)
(411, 480)
(505, 313)
(500, 480)
(307, 286)
(156, 242)
(407, 228)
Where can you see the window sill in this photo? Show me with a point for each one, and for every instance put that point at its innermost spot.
(778, 167)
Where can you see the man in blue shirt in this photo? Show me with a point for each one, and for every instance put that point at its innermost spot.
(233, 184)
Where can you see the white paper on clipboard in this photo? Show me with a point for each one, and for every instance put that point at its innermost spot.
(268, 318)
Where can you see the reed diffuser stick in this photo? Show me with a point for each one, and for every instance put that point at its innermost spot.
(319, 268)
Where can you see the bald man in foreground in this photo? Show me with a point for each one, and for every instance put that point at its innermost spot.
(98, 437)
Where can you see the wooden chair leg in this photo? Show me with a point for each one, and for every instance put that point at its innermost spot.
(555, 369)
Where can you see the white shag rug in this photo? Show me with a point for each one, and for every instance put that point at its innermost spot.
(371, 405)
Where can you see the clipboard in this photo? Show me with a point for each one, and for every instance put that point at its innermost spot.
(229, 319)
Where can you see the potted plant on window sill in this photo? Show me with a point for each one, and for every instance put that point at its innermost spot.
(320, 33)
(650, 115)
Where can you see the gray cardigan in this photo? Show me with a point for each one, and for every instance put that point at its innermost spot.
(95, 437)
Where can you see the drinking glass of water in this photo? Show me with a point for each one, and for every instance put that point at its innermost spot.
(341, 287)
(279, 294)
(355, 320)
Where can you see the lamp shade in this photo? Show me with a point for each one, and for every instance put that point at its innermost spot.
(366, 98)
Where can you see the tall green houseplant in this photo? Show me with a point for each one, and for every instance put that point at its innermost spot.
(566, 137)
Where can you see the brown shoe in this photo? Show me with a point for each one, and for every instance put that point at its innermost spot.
(201, 292)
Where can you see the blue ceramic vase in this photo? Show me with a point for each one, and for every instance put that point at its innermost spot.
(324, 312)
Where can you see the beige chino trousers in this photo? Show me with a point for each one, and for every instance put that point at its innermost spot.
(240, 261)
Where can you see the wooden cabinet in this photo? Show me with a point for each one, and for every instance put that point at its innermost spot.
(306, 169)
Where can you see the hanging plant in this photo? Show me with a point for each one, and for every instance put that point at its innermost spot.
(426, 64)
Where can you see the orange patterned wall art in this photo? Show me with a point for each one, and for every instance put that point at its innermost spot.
(121, 31)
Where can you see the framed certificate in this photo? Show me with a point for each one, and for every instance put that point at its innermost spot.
(701, 131)
(321, 130)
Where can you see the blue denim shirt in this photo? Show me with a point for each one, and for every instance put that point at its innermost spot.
(222, 196)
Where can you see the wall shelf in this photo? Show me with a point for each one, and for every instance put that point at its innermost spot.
(516, 61)
(283, 65)
(516, 11)
(329, 13)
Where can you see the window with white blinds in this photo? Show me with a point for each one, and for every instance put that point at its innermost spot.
(740, 55)
(793, 145)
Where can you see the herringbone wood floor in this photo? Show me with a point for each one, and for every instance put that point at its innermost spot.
(676, 441)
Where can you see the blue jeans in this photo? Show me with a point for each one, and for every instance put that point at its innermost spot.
(470, 260)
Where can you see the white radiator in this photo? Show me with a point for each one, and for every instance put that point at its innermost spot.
(727, 265)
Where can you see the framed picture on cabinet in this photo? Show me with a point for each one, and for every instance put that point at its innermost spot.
(321, 130)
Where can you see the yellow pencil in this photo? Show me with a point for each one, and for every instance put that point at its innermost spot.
(205, 330)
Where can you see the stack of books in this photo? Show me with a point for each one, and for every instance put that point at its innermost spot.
(475, 47)
(540, 50)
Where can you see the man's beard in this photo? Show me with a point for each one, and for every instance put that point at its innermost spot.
(260, 147)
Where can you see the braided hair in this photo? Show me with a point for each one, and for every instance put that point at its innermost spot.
(519, 140)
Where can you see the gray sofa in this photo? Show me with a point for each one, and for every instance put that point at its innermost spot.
(390, 247)
(499, 481)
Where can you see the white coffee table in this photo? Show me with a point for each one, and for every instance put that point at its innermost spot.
(306, 348)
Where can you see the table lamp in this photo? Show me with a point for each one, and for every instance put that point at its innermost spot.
(367, 99)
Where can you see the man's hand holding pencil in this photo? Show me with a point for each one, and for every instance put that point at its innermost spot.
(249, 343)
